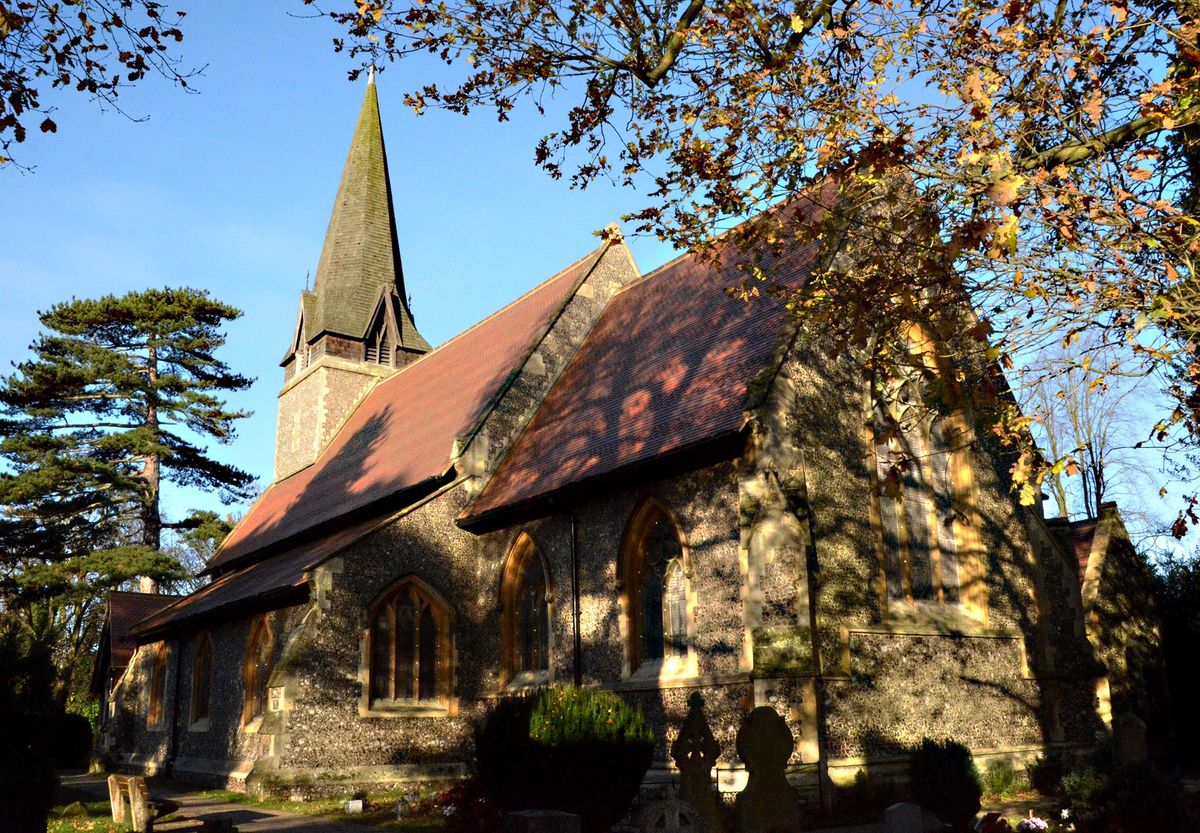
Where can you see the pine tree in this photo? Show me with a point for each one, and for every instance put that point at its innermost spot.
(118, 399)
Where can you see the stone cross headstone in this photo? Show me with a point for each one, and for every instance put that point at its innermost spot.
(903, 818)
(1129, 736)
(695, 752)
(671, 816)
(116, 799)
(541, 821)
(768, 803)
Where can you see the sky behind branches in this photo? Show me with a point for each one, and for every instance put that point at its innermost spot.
(230, 190)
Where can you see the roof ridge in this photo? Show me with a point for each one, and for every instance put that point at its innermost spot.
(476, 326)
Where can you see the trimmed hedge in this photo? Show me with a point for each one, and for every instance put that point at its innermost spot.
(575, 750)
(945, 781)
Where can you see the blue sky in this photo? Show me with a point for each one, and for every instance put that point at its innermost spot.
(230, 190)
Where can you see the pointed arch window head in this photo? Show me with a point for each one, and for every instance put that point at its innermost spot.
(202, 679)
(525, 614)
(158, 686)
(408, 642)
(256, 670)
(656, 592)
(918, 513)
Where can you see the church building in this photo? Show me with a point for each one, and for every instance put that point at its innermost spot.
(626, 481)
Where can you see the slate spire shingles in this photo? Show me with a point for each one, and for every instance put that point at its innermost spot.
(362, 250)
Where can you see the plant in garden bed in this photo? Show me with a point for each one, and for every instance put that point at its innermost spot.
(945, 781)
(575, 750)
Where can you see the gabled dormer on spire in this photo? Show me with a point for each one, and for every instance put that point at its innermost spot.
(355, 326)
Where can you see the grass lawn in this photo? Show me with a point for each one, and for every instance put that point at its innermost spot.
(97, 820)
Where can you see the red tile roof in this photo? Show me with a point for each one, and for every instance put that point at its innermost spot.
(665, 368)
(1076, 538)
(125, 610)
(402, 433)
(281, 576)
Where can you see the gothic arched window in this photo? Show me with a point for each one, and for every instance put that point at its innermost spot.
(917, 511)
(654, 585)
(256, 670)
(158, 685)
(202, 678)
(408, 643)
(525, 613)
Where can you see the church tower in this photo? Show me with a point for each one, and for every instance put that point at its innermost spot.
(354, 328)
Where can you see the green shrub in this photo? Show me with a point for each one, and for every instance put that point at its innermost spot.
(1046, 774)
(569, 749)
(945, 781)
(72, 740)
(27, 779)
(1001, 779)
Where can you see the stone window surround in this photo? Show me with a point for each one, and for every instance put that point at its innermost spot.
(655, 673)
(200, 723)
(448, 664)
(155, 710)
(522, 555)
(972, 601)
(260, 628)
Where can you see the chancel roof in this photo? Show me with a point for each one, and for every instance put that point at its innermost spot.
(665, 369)
(117, 642)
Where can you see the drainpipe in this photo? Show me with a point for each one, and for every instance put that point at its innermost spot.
(173, 743)
(578, 647)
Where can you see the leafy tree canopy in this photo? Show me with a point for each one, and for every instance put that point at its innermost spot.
(93, 47)
(1052, 145)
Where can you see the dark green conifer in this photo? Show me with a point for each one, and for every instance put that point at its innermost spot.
(119, 397)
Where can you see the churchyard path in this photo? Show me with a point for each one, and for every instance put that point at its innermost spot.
(193, 808)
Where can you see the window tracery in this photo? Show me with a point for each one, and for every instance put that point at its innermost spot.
(655, 586)
(525, 613)
(256, 670)
(409, 648)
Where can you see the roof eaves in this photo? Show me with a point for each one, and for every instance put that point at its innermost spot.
(721, 446)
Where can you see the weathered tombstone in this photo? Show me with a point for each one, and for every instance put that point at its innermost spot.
(116, 799)
(1129, 736)
(140, 815)
(903, 818)
(768, 803)
(541, 821)
(354, 806)
(671, 815)
(695, 752)
(74, 810)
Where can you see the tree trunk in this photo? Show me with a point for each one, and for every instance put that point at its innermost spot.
(151, 519)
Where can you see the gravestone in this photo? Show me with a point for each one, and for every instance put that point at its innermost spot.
(353, 806)
(140, 815)
(541, 821)
(902, 818)
(695, 752)
(764, 743)
(116, 799)
(671, 815)
(1129, 736)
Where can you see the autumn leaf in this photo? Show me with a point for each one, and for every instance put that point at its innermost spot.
(48, 126)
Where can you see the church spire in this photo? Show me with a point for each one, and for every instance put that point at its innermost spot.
(360, 261)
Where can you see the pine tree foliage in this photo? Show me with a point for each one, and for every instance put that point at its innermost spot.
(120, 397)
